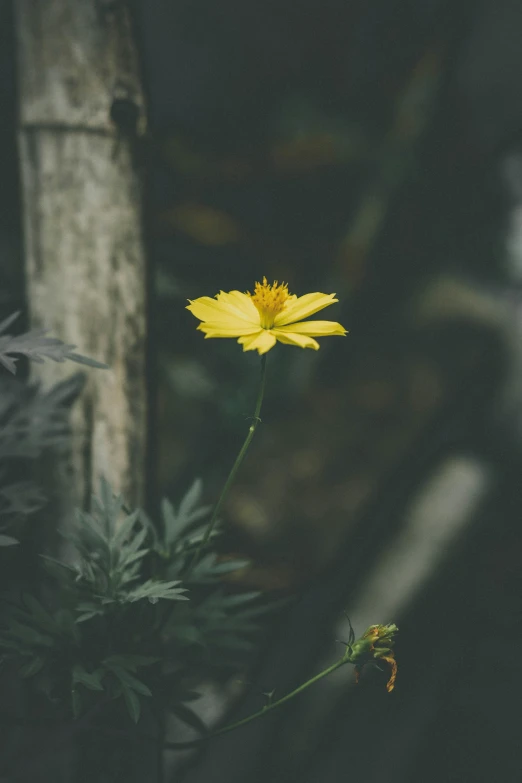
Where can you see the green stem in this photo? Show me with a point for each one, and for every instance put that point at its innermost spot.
(347, 658)
(267, 708)
(232, 474)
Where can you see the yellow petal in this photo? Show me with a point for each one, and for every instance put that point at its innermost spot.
(302, 307)
(207, 309)
(241, 304)
(224, 309)
(222, 330)
(312, 328)
(260, 342)
(292, 338)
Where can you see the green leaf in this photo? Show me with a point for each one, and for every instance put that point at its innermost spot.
(35, 345)
(91, 680)
(208, 570)
(31, 668)
(129, 559)
(127, 680)
(125, 528)
(88, 535)
(132, 662)
(107, 507)
(191, 499)
(149, 524)
(229, 566)
(155, 590)
(132, 703)
(54, 566)
(88, 610)
(189, 635)
(7, 643)
(170, 521)
(189, 511)
(7, 540)
(86, 360)
(65, 621)
(125, 577)
(9, 320)
(39, 614)
(27, 634)
(88, 616)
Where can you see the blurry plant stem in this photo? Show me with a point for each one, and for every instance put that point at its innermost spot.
(232, 474)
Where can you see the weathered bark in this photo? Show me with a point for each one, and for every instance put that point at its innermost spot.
(85, 265)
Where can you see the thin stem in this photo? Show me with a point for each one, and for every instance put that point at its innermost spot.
(232, 474)
(282, 700)
(266, 709)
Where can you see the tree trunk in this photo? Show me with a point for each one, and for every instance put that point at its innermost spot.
(85, 265)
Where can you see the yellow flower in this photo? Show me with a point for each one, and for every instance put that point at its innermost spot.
(268, 315)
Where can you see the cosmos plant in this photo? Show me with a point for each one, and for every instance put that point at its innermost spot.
(271, 314)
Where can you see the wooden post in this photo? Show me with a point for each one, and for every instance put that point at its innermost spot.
(85, 263)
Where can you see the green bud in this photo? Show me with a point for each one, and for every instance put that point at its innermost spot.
(375, 644)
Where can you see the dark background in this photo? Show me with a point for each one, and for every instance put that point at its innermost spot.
(373, 149)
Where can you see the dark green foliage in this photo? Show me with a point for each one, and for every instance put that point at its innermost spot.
(110, 549)
(32, 421)
(37, 347)
(124, 620)
(119, 620)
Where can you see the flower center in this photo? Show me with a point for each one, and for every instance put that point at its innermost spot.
(269, 300)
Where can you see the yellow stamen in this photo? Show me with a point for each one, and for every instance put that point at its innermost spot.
(269, 300)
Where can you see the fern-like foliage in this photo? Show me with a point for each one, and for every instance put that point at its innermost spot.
(121, 620)
(37, 347)
(31, 420)
(110, 548)
(218, 629)
(52, 648)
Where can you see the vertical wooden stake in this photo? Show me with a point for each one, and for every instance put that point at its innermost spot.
(85, 263)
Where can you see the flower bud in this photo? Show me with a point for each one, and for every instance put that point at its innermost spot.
(375, 644)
